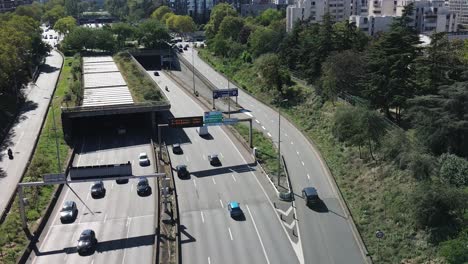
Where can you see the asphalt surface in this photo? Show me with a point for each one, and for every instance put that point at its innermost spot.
(326, 234)
(209, 234)
(124, 222)
(27, 127)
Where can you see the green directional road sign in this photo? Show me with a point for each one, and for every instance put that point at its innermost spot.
(213, 118)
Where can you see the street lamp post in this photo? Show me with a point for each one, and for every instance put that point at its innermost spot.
(193, 69)
(279, 139)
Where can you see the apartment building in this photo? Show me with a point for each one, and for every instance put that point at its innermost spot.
(314, 10)
(10, 5)
(460, 7)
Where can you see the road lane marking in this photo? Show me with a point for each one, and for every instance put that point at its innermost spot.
(131, 188)
(269, 134)
(286, 134)
(256, 120)
(221, 202)
(186, 158)
(292, 143)
(233, 177)
(302, 163)
(230, 234)
(258, 234)
(221, 155)
(263, 128)
(194, 183)
(209, 261)
(308, 176)
(213, 180)
(297, 152)
(249, 114)
(204, 158)
(105, 218)
(202, 218)
(112, 185)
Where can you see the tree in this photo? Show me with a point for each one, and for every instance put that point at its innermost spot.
(347, 36)
(65, 25)
(72, 8)
(342, 73)
(54, 14)
(78, 39)
(441, 120)
(104, 40)
(180, 24)
(273, 75)
(219, 46)
(453, 170)
(160, 12)
(454, 251)
(244, 34)
(152, 34)
(230, 27)
(219, 12)
(123, 31)
(268, 16)
(396, 147)
(390, 78)
(33, 11)
(117, 8)
(263, 40)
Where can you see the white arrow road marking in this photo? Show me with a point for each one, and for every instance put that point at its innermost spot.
(290, 226)
(283, 212)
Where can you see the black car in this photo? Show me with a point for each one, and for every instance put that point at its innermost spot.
(69, 212)
(156, 73)
(214, 160)
(182, 171)
(87, 242)
(143, 187)
(121, 181)
(98, 190)
(185, 48)
(181, 50)
(310, 196)
(176, 149)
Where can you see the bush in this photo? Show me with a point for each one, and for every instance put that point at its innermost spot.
(453, 170)
(455, 251)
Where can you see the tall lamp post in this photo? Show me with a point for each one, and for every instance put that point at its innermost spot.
(193, 69)
(279, 139)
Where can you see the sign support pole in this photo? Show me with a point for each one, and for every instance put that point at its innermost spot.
(21, 204)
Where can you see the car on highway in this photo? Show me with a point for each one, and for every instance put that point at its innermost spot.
(87, 242)
(69, 212)
(185, 48)
(143, 187)
(234, 209)
(182, 171)
(310, 196)
(214, 160)
(98, 190)
(181, 50)
(121, 181)
(143, 159)
(176, 149)
(55, 37)
(156, 73)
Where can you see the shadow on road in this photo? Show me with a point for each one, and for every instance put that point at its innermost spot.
(110, 245)
(190, 239)
(48, 69)
(230, 169)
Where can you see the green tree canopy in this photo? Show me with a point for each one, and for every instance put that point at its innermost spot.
(180, 24)
(54, 14)
(65, 25)
(219, 12)
(230, 27)
(263, 40)
(123, 31)
(273, 75)
(160, 12)
(453, 169)
(153, 34)
(33, 11)
(268, 16)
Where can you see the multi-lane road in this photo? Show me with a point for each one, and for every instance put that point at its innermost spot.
(327, 236)
(209, 234)
(125, 223)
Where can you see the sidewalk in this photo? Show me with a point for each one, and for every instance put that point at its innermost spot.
(23, 135)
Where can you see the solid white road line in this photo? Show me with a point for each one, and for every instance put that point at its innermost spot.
(209, 261)
(221, 202)
(230, 234)
(194, 183)
(202, 218)
(258, 234)
(233, 177)
(213, 180)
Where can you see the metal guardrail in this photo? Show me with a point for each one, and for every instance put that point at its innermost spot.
(199, 75)
(74, 109)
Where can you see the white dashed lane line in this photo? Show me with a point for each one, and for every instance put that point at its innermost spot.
(256, 120)
(263, 128)
(269, 134)
(302, 163)
(221, 202)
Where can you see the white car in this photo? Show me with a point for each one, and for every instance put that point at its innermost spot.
(143, 159)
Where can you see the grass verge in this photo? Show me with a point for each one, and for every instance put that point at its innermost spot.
(12, 238)
(143, 89)
(376, 193)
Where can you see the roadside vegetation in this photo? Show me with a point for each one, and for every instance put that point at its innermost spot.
(396, 146)
(143, 89)
(12, 238)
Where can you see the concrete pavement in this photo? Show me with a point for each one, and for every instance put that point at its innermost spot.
(125, 223)
(209, 235)
(327, 234)
(25, 131)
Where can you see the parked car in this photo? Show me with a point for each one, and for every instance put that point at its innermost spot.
(87, 242)
(310, 196)
(176, 149)
(98, 190)
(69, 212)
(143, 187)
(143, 159)
(214, 160)
(234, 209)
(182, 171)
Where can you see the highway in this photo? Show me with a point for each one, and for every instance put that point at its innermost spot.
(124, 222)
(209, 234)
(327, 235)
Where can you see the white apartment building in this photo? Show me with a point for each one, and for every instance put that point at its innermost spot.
(460, 7)
(314, 10)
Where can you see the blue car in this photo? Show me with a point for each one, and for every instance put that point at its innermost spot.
(234, 209)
